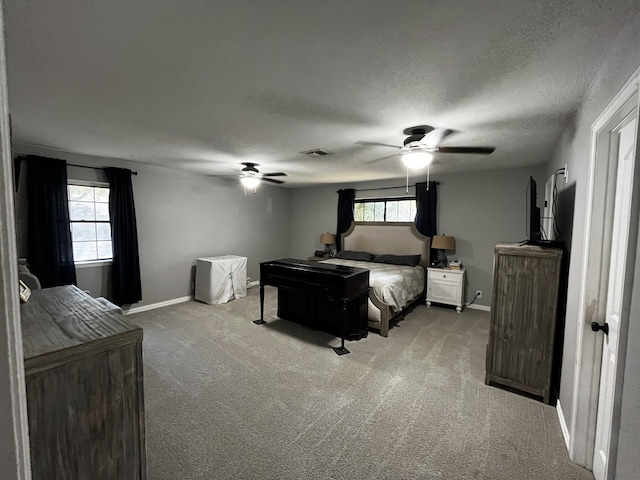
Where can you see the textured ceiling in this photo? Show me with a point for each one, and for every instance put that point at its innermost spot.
(203, 86)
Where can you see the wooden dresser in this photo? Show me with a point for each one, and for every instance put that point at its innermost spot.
(83, 369)
(526, 282)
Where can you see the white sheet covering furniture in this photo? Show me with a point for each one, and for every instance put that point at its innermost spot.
(220, 279)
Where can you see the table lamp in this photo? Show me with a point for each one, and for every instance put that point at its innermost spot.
(327, 239)
(442, 243)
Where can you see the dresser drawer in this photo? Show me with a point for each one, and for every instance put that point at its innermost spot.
(445, 274)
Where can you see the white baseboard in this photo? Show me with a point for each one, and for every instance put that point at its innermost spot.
(484, 308)
(153, 306)
(563, 426)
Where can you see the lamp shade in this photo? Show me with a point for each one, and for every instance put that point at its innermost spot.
(443, 242)
(327, 238)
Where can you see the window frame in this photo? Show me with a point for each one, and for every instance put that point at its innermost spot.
(385, 200)
(96, 184)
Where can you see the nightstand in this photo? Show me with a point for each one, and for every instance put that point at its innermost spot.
(445, 286)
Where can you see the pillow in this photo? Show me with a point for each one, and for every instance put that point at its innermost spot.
(351, 255)
(408, 260)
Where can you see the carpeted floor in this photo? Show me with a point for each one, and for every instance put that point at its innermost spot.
(227, 399)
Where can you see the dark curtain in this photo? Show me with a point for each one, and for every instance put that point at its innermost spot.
(346, 200)
(50, 251)
(127, 288)
(17, 163)
(426, 202)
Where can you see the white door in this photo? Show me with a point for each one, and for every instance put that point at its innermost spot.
(626, 134)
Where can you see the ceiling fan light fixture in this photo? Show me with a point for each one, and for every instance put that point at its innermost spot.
(250, 182)
(417, 159)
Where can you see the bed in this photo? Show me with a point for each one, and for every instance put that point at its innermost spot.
(395, 282)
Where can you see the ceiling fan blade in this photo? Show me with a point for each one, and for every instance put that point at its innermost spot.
(272, 180)
(478, 150)
(376, 160)
(413, 139)
(435, 137)
(377, 144)
(275, 174)
(418, 134)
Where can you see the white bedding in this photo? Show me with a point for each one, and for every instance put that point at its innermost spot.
(394, 285)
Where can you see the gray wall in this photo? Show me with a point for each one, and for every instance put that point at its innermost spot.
(480, 209)
(573, 149)
(182, 216)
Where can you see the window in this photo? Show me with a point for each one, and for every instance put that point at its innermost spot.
(385, 210)
(90, 225)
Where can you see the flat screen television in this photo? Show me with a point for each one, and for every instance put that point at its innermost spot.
(533, 213)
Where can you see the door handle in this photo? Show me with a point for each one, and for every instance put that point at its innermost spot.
(595, 326)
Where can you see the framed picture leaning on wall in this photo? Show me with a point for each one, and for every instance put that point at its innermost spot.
(25, 292)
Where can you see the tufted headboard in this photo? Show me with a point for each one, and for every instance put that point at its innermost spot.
(387, 238)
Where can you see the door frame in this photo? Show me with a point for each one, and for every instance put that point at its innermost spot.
(594, 282)
(610, 388)
(14, 435)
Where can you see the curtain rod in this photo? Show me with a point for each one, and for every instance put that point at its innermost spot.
(21, 158)
(386, 188)
(93, 168)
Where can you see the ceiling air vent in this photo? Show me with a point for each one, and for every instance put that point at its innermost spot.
(316, 152)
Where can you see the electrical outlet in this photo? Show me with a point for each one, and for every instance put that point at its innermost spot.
(566, 173)
(479, 293)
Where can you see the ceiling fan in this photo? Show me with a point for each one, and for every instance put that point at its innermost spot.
(423, 142)
(251, 177)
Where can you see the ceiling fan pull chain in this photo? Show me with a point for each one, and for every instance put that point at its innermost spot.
(407, 186)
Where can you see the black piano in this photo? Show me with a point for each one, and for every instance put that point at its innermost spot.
(331, 298)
